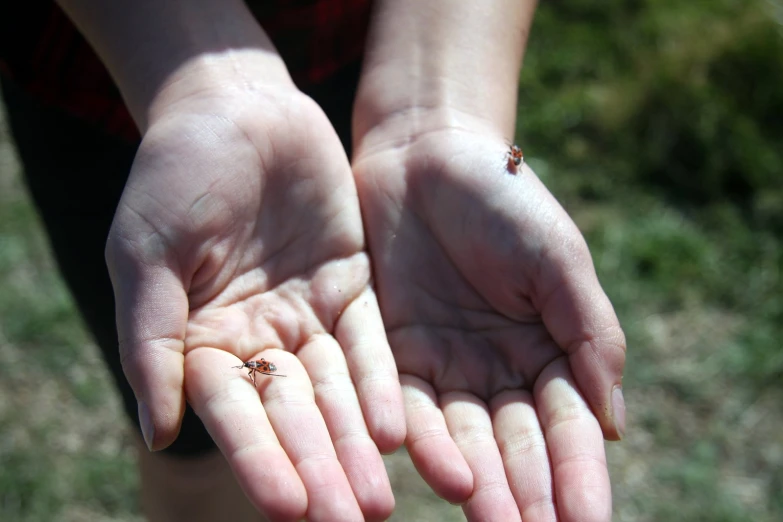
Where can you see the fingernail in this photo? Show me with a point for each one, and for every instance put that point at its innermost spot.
(618, 410)
(147, 428)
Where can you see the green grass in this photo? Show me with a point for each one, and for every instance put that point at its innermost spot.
(36, 307)
(658, 124)
(64, 453)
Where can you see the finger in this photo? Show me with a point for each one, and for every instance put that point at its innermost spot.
(434, 453)
(152, 313)
(576, 447)
(336, 398)
(299, 424)
(361, 333)
(523, 448)
(582, 321)
(470, 425)
(229, 407)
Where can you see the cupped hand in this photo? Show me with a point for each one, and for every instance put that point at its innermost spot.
(509, 352)
(239, 236)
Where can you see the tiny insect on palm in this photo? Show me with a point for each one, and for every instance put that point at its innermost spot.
(515, 155)
(259, 366)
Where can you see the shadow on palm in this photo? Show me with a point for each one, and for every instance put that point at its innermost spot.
(462, 280)
(494, 314)
(243, 242)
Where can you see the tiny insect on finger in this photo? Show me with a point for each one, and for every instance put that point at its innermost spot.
(259, 366)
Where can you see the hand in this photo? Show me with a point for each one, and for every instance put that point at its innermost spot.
(239, 236)
(503, 337)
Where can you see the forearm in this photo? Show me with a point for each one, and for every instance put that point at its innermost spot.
(442, 64)
(163, 52)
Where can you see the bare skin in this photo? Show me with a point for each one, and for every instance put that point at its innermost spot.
(509, 352)
(239, 236)
(492, 306)
(261, 260)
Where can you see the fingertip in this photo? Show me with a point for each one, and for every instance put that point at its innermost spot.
(158, 435)
(373, 369)
(618, 413)
(381, 400)
(370, 484)
(430, 445)
(274, 488)
(575, 445)
(387, 426)
(449, 476)
(146, 425)
(380, 510)
(160, 397)
(597, 366)
(294, 507)
(162, 428)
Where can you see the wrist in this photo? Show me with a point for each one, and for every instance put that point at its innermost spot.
(406, 127)
(161, 52)
(443, 66)
(230, 81)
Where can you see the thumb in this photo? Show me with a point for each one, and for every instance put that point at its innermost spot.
(582, 321)
(152, 311)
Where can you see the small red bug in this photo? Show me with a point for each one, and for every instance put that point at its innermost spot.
(515, 156)
(259, 366)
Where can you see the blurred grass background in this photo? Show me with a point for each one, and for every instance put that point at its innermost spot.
(659, 125)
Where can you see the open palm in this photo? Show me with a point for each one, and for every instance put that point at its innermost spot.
(507, 348)
(238, 237)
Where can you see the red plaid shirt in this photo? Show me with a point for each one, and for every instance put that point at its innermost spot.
(41, 50)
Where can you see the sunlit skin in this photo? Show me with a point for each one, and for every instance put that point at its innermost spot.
(240, 236)
(494, 314)
(509, 351)
(243, 240)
